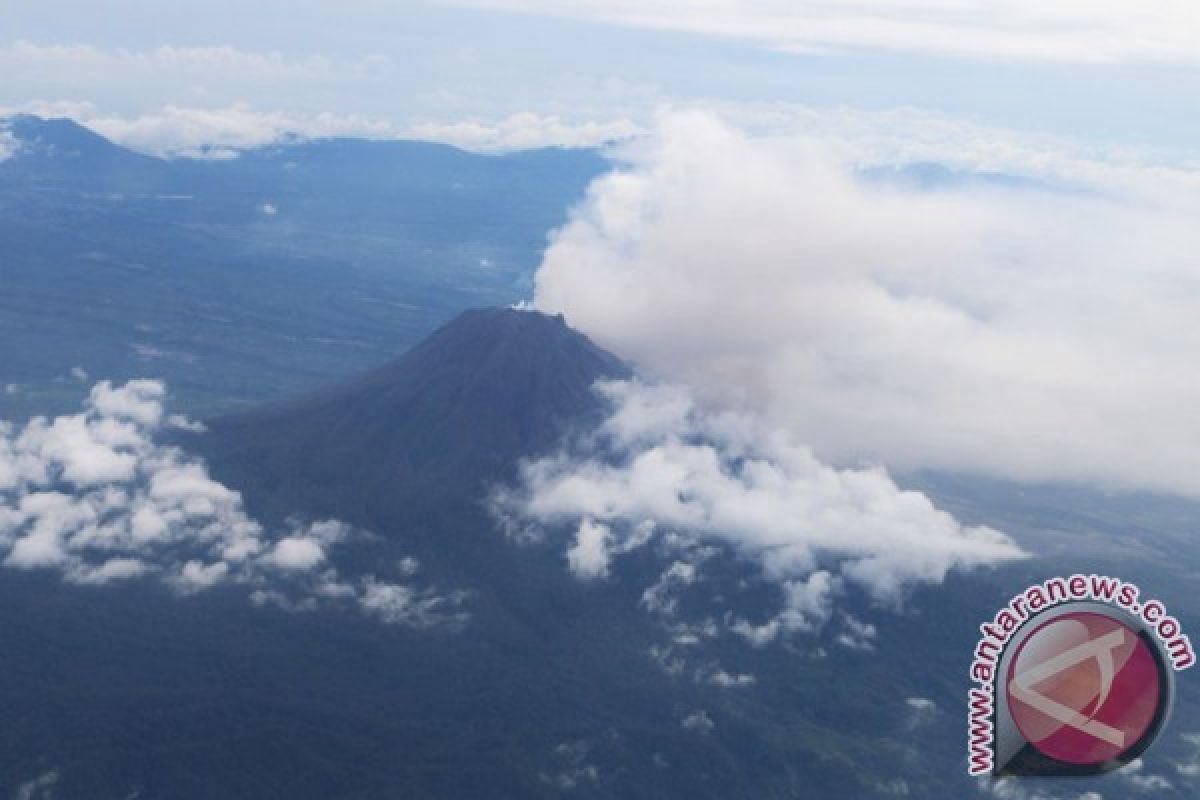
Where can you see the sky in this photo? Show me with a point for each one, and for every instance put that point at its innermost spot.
(510, 73)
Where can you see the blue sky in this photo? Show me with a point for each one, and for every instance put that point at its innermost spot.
(1106, 73)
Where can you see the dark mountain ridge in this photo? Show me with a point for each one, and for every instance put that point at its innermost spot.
(460, 409)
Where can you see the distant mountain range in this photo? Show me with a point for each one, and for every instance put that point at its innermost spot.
(246, 279)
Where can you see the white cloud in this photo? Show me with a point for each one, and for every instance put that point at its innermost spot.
(196, 576)
(698, 721)
(1016, 789)
(660, 465)
(524, 131)
(221, 132)
(39, 788)
(808, 604)
(862, 137)
(661, 598)
(181, 422)
(1189, 769)
(588, 557)
(185, 68)
(1135, 773)
(403, 605)
(1155, 31)
(856, 634)
(921, 711)
(1015, 332)
(95, 497)
(727, 680)
(115, 569)
(922, 705)
(8, 147)
(296, 552)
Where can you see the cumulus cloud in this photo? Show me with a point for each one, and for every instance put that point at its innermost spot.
(661, 598)
(1155, 31)
(398, 604)
(589, 555)
(728, 680)
(1028, 334)
(93, 496)
(856, 634)
(808, 605)
(698, 722)
(660, 466)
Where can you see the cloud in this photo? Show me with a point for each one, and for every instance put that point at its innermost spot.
(1016, 789)
(698, 722)
(1155, 31)
(89, 70)
(921, 705)
(1016, 332)
(39, 788)
(588, 557)
(8, 145)
(660, 467)
(306, 550)
(524, 131)
(571, 766)
(661, 598)
(870, 137)
(856, 634)
(93, 496)
(402, 605)
(727, 680)
(203, 59)
(1189, 769)
(222, 132)
(1142, 781)
(808, 605)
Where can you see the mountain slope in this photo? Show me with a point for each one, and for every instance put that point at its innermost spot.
(407, 451)
(60, 151)
(461, 408)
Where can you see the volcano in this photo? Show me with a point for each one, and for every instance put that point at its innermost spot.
(553, 686)
(429, 431)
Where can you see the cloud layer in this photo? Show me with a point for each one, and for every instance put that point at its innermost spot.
(220, 132)
(1016, 331)
(94, 497)
(1155, 31)
(659, 466)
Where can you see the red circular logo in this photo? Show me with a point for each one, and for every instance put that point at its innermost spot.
(1084, 688)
